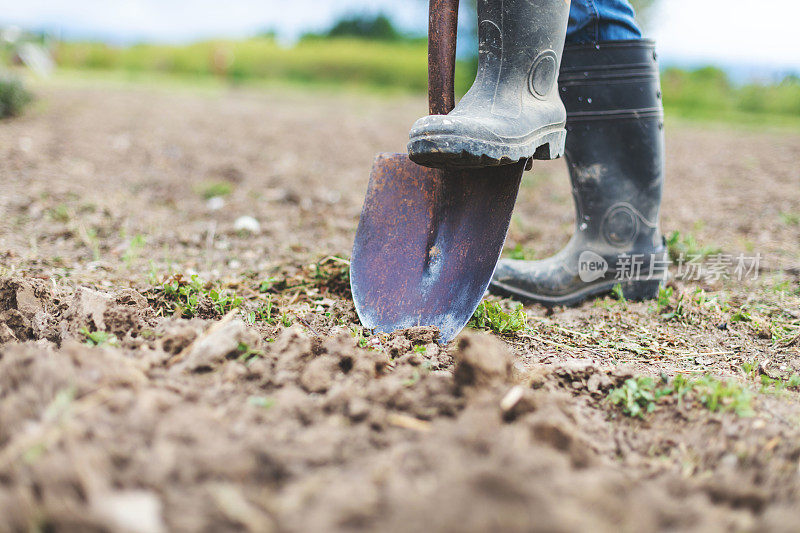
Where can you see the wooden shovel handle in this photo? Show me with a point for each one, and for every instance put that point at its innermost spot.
(443, 27)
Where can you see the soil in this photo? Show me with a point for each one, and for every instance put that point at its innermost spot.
(214, 416)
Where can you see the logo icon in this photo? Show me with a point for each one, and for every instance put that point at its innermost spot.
(591, 267)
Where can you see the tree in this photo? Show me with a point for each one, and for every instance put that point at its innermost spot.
(377, 27)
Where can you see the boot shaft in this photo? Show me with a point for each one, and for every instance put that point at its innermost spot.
(520, 46)
(615, 140)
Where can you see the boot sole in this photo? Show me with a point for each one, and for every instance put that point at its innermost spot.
(432, 150)
(633, 290)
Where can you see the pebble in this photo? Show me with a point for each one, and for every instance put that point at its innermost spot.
(215, 203)
(248, 224)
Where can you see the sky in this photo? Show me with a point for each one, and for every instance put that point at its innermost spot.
(741, 33)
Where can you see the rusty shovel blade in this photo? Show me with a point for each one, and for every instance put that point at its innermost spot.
(428, 242)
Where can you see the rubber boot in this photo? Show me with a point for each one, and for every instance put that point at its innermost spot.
(512, 111)
(615, 155)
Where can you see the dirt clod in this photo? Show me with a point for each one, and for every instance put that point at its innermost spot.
(481, 361)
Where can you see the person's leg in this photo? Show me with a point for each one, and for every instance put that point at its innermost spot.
(595, 21)
(609, 83)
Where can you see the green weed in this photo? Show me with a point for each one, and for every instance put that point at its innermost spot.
(779, 385)
(490, 315)
(790, 219)
(98, 338)
(187, 296)
(520, 253)
(261, 401)
(59, 213)
(619, 294)
(92, 240)
(718, 395)
(663, 301)
(267, 285)
(332, 274)
(786, 286)
(247, 354)
(263, 313)
(636, 397)
(741, 315)
(640, 396)
(750, 369)
(358, 334)
(135, 247)
(212, 189)
(686, 247)
(14, 97)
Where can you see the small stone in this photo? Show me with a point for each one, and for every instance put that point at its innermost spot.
(137, 511)
(215, 203)
(247, 224)
(512, 398)
(213, 347)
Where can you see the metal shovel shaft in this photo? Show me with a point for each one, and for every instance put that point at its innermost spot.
(442, 39)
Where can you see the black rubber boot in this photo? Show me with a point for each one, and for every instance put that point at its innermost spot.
(512, 111)
(615, 154)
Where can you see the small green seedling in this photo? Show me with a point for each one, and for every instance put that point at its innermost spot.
(358, 335)
(520, 253)
(262, 313)
(212, 189)
(187, 295)
(636, 397)
(489, 315)
(718, 395)
(686, 247)
(261, 401)
(664, 299)
(247, 354)
(266, 285)
(741, 315)
(59, 213)
(98, 338)
(134, 249)
(790, 219)
(619, 294)
(640, 396)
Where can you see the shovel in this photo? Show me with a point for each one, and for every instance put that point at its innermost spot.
(429, 239)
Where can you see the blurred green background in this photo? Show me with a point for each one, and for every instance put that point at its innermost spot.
(369, 53)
